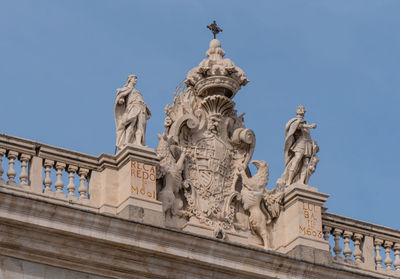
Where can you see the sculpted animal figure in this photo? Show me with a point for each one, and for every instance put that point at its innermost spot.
(171, 171)
(252, 193)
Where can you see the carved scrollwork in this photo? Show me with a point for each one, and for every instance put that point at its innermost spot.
(188, 120)
(243, 135)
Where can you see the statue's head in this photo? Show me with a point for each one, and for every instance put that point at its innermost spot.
(300, 111)
(131, 79)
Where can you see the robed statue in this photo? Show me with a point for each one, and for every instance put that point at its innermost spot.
(131, 114)
(300, 150)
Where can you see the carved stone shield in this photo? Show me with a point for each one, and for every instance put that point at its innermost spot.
(211, 161)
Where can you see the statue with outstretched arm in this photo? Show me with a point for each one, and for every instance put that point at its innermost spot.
(299, 149)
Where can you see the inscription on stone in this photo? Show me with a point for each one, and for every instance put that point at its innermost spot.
(311, 225)
(143, 180)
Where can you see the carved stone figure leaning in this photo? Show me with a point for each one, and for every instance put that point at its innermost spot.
(300, 150)
(252, 194)
(131, 114)
(171, 172)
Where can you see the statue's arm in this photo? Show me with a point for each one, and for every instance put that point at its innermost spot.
(312, 126)
(123, 92)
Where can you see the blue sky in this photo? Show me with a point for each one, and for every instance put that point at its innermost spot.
(61, 62)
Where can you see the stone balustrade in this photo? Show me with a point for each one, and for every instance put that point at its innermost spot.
(39, 169)
(91, 182)
(363, 245)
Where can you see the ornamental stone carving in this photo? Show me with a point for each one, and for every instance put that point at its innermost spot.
(131, 114)
(300, 151)
(205, 151)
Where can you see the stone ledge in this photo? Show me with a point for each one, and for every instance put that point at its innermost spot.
(42, 150)
(303, 192)
(311, 254)
(359, 226)
(27, 193)
(45, 151)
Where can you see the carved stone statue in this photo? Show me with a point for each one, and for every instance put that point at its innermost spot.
(252, 194)
(171, 167)
(205, 151)
(300, 150)
(131, 114)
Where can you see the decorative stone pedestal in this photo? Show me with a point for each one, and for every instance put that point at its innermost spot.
(129, 190)
(137, 192)
(300, 224)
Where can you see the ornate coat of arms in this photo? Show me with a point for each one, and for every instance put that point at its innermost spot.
(205, 151)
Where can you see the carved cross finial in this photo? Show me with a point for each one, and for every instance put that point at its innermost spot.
(214, 28)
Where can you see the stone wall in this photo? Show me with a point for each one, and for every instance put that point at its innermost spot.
(12, 268)
(64, 240)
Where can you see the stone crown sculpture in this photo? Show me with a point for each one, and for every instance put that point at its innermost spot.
(219, 75)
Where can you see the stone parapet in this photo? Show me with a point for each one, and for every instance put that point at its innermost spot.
(104, 183)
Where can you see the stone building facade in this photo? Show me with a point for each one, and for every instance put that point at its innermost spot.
(189, 209)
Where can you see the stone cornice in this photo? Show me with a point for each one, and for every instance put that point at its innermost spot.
(303, 192)
(47, 151)
(130, 152)
(359, 226)
(70, 157)
(83, 240)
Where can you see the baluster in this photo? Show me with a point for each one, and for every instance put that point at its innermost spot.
(11, 173)
(48, 164)
(388, 260)
(82, 190)
(347, 251)
(358, 254)
(396, 263)
(23, 177)
(326, 231)
(378, 258)
(71, 185)
(59, 184)
(2, 153)
(337, 249)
